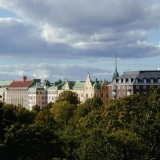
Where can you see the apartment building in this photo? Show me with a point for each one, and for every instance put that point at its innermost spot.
(3, 90)
(17, 91)
(37, 95)
(84, 89)
(133, 82)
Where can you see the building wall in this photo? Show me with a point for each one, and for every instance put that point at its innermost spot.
(18, 97)
(104, 93)
(52, 95)
(37, 97)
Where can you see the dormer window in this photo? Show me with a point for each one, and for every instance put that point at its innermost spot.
(136, 80)
(119, 80)
(152, 80)
(144, 80)
(124, 80)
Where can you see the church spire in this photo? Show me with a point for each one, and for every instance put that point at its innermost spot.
(115, 74)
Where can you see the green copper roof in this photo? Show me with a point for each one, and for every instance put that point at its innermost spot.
(115, 74)
(36, 86)
(46, 83)
(96, 85)
(79, 84)
(56, 85)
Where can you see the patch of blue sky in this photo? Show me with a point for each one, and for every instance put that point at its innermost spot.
(153, 36)
(147, 63)
(6, 14)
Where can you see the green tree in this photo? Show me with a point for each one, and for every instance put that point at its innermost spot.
(36, 108)
(84, 135)
(62, 111)
(32, 142)
(24, 116)
(69, 96)
(138, 114)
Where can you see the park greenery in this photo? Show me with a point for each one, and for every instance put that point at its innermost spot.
(125, 129)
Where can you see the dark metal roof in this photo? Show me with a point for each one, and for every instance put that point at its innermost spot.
(141, 74)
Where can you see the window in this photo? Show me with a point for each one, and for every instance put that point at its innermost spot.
(152, 80)
(113, 87)
(124, 80)
(136, 80)
(128, 93)
(144, 87)
(158, 80)
(137, 87)
(128, 87)
(119, 80)
(102, 95)
(119, 87)
(144, 80)
(123, 87)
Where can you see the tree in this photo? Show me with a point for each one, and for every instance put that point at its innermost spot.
(138, 114)
(32, 142)
(36, 108)
(69, 96)
(62, 111)
(24, 116)
(84, 136)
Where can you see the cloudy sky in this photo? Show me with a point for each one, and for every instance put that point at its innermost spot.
(66, 39)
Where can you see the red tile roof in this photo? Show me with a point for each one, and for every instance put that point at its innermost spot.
(20, 84)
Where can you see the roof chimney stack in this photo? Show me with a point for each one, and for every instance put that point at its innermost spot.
(24, 78)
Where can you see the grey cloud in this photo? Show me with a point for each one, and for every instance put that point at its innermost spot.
(81, 29)
(88, 13)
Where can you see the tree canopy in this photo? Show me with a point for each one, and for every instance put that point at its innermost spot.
(128, 128)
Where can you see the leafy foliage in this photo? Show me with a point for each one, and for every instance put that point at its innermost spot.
(69, 96)
(128, 128)
(31, 142)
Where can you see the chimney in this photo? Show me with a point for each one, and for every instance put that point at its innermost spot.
(24, 78)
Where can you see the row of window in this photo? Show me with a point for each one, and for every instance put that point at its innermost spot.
(145, 80)
(121, 87)
(121, 93)
(144, 87)
(34, 103)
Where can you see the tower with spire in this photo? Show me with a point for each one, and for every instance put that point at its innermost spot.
(115, 74)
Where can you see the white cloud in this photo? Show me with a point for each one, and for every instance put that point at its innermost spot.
(54, 72)
(90, 30)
